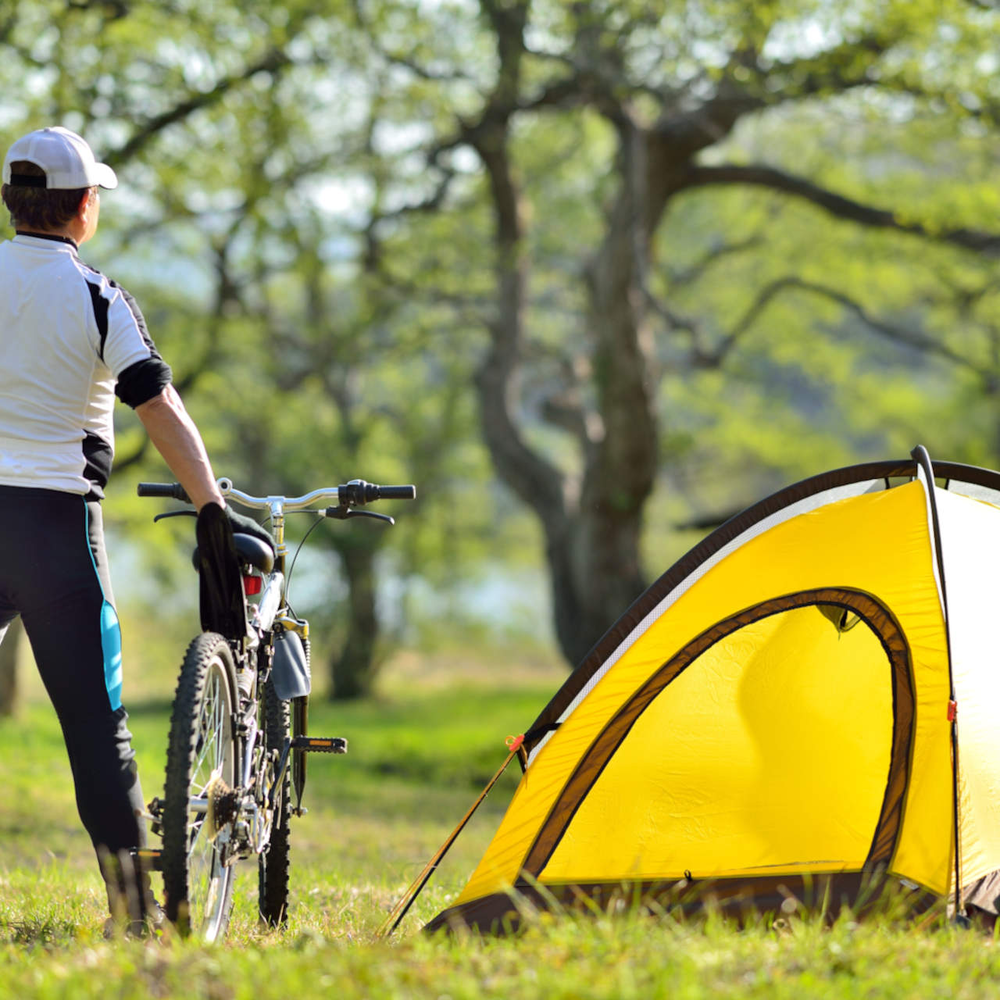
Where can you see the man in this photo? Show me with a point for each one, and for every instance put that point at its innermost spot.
(70, 340)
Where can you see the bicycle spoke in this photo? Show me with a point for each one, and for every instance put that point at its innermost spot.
(202, 876)
(204, 860)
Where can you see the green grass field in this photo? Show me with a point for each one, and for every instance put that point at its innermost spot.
(420, 752)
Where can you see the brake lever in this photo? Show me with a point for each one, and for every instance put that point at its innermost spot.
(175, 513)
(342, 513)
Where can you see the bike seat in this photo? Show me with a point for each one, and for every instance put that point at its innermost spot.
(254, 551)
(251, 550)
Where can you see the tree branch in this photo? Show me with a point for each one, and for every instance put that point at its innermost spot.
(135, 457)
(272, 62)
(891, 331)
(761, 175)
(717, 251)
(673, 319)
(398, 58)
(837, 69)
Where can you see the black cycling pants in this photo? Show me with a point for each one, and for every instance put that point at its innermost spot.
(54, 573)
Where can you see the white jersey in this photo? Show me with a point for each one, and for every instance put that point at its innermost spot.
(70, 339)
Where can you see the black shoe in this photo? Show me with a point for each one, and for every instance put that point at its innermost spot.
(152, 926)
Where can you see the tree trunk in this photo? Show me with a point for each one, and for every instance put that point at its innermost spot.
(8, 667)
(592, 529)
(353, 668)
(593, 543)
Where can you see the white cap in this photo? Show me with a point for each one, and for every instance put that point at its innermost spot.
(65, 157)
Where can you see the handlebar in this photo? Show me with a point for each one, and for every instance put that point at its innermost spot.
(356, 493)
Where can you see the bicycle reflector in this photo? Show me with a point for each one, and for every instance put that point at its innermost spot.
(252, 585)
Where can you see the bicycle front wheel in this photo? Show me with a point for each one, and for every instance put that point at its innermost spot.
(198, 807)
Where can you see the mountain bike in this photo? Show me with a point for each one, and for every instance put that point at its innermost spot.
(238, 728)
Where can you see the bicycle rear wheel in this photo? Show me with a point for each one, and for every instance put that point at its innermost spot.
(273, 861)
(197, 803)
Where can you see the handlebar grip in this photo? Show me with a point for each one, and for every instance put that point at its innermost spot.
(357, 493)
(397, 492)
(173, 490)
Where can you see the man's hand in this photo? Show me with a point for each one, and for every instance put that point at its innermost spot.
(248, 526)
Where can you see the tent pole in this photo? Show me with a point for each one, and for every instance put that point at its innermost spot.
(515, 745)
(923, 460)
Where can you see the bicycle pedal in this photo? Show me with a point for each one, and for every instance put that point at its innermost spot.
(320, 744)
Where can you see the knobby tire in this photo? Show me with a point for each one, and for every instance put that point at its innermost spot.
(197, 881)
(273, 863)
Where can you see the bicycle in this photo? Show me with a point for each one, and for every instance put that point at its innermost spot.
(238, 728)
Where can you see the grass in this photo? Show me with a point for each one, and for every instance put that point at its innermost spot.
(420, 752)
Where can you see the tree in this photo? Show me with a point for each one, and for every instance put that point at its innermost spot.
(672, 87)
(636, 232)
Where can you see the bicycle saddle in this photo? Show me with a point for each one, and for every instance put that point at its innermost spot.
(254, 551)
(250, 550)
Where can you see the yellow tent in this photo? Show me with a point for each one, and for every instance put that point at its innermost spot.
(783, 709)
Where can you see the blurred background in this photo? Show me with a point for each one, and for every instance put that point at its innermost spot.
(592, 274)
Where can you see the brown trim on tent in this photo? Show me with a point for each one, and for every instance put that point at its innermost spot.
(953, 472)
(743, 897)
(923, 459)
(984, 894)
(600, 752)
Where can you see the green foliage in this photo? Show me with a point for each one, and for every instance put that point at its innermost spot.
(302, 209)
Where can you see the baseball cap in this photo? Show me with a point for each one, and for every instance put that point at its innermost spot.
(65, 157)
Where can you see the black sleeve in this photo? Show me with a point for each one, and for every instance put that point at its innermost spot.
(140, 382)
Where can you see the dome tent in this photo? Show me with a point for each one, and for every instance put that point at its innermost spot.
(806, 702)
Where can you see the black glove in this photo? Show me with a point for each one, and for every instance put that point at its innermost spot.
(248, 526)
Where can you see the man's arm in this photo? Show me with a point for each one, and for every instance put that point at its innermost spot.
(176, 437)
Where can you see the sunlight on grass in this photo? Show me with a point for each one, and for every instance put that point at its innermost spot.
(420, 752)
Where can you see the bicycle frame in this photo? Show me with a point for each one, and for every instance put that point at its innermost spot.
(272, 610)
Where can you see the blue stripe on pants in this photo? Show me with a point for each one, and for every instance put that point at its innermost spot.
(111, 635)
(111, 644)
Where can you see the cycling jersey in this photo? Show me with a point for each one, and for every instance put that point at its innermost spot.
(70, 340)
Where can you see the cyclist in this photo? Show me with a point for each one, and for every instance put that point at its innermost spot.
(70, 340)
